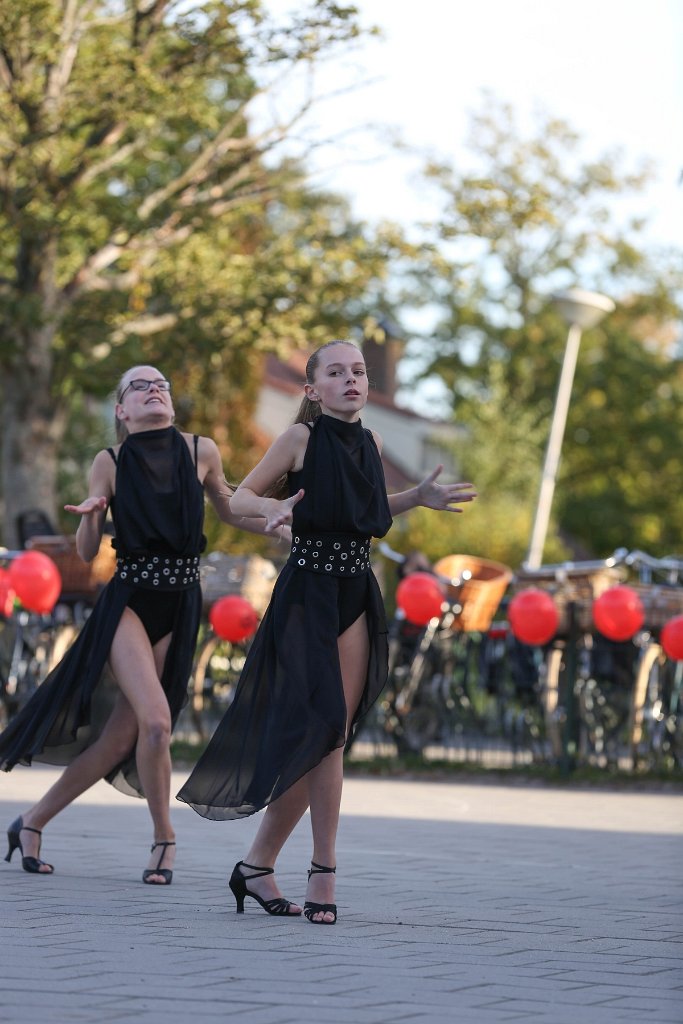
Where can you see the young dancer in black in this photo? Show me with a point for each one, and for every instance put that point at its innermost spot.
(319, 658)
(144, 624)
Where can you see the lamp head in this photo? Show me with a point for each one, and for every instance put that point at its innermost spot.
(585, 309)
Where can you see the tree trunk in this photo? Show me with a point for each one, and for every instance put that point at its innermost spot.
(31, 431)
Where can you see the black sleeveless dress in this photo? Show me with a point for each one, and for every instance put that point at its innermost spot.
(288, 711)
(158, 513)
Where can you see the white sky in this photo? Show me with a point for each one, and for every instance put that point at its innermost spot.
(612, 68)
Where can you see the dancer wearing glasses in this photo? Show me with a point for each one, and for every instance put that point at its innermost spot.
(144, 624)
(319, 658)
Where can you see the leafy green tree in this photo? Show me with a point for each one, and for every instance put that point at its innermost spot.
(144, 217)
(533, 218)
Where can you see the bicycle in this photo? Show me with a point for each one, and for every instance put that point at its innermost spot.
(433, 693)
(32, 644)
(606, 701)
(656, 723)
(510, 673)
(217, 667)
(30, 647)
(218, 663)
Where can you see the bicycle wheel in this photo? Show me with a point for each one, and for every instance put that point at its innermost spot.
(25, 660)
(657, 730)
(217, 668)
(553, 711)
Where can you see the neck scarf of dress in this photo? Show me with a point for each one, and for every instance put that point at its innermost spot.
(347, 480)
(159, 500)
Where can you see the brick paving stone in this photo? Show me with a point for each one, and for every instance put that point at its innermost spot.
(483, 904)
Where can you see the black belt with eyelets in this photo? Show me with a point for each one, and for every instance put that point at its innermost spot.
(332, 554)
(158, 572)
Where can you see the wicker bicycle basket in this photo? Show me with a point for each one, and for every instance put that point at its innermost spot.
(79, 579)
(660, 603)
(580, 590)
(248, 576)
(479, 594)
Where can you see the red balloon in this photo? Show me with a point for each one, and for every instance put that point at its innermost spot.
(7, 594)
(420, 597)
(233, 618)
(533, 616)
(36, 580)
(671, 638)
(618, 613)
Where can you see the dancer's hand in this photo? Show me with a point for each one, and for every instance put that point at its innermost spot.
(443, 497)
(88, 506)
(279, 513)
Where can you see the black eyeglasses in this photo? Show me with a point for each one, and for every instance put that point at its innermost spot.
(145, 385)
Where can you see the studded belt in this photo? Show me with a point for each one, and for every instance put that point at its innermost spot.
(158, 572)
(332, 554)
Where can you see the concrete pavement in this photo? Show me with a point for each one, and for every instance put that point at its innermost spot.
(473, 903)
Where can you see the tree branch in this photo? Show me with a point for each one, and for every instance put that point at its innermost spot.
(88, 276)
(74, 18)
(6, 76)
(145, 325)
(85, 173)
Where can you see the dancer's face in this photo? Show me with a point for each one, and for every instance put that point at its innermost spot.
(145, 399)
(340, 382)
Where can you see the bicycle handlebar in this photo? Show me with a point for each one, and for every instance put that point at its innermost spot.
(636, 559)
(388, 552)
(7, 556)
(642, 559)
(559, 569)
(396, 556)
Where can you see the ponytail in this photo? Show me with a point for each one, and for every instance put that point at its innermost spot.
(120, 428)
(308, 410)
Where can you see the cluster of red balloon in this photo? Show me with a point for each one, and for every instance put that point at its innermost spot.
(420, 597)
(233, 618)
(618, 614)
(34, 580)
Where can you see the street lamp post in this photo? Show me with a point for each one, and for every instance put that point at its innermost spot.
(581, 310)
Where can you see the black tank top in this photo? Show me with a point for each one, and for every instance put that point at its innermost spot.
(343, 478)
(158, 507)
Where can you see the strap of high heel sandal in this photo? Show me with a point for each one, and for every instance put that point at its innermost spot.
(260, 872)
(320, 869)
(170, 842)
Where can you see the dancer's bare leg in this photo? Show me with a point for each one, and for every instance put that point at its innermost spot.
(277, 824)
(326, 779)
(116, 740)
(137, 669)
(114, 743)
(321, 788)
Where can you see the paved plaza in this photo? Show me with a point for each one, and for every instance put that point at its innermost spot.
(471, 903)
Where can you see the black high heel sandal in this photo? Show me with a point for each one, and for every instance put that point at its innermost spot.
(278, 907)
(165, 873)
(320, 908)
(30, 864)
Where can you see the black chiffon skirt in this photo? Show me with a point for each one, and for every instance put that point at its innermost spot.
(67, 712)
(288, 711)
